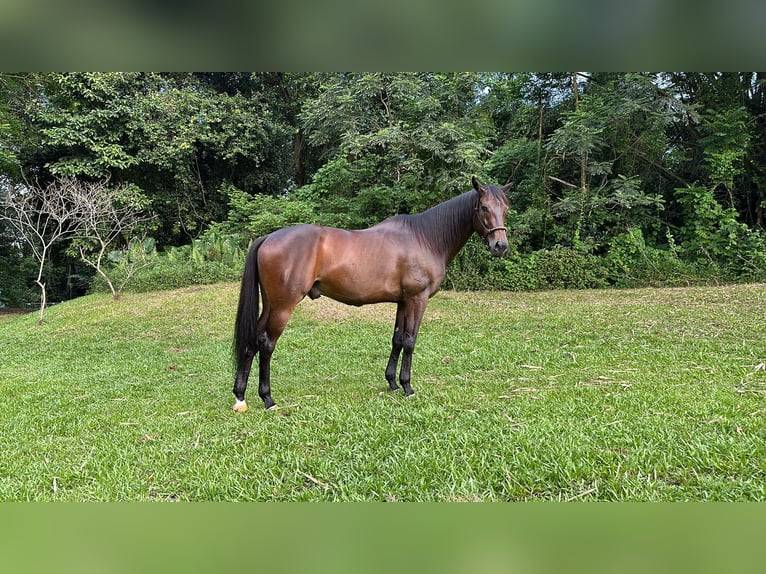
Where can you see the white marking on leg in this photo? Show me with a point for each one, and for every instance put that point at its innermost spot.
(240, 406)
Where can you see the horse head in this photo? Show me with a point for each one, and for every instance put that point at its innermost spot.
(489, 216)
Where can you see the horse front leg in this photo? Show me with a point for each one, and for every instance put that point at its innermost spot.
(413, 316)
(396, 347)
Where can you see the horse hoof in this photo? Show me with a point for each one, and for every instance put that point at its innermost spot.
(240, 407)
(271, 407)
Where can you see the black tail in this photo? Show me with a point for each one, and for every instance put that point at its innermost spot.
(245, 326)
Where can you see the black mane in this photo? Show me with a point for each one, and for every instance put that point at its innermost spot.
(446, 226)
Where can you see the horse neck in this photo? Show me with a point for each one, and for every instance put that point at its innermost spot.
(449, 225)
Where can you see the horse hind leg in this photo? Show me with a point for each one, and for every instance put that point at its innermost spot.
(240, 384)
(267, 341)
(243, 371)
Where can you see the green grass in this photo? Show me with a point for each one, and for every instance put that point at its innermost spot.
(652, 394)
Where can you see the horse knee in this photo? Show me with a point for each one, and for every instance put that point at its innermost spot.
(408, 343)
(397, 341)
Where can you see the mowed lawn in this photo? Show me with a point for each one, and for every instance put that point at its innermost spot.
(652, 394)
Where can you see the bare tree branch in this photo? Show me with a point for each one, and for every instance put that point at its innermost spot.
(42, 216)
(108, 215)
(95, 215)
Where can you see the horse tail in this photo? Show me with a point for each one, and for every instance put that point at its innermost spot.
(246, 323)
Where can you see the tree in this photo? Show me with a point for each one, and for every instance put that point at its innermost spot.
(108, 214)
(588, 152)
(16, 90)
(595, 157)
(394, 142)
(725, 150)
(178, 137)
(42, 216)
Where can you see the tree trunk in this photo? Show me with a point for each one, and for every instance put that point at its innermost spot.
(298, 158)
(583, 169)
(43, 300)
(115, 295)
(39, 281)
(584, 157)
(540, 130)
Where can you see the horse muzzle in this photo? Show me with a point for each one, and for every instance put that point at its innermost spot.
(498, 247)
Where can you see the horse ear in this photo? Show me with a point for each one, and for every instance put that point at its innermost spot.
(506, 187)
(476, 184)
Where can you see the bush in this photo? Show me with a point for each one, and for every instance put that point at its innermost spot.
(632, 263)
(262, 214)
(166, 275)
(474, 269)
(213, 258)
(714, 238)
(557, 268)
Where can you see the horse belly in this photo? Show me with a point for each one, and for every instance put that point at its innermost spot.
(360, 282)
(356, 269)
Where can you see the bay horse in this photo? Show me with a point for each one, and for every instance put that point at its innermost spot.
(401, 260)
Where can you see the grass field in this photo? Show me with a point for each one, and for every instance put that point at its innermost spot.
(581, 395)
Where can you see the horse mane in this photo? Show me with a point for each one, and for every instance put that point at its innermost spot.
(444, 224)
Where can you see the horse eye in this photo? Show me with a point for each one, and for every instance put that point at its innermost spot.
(485, 209)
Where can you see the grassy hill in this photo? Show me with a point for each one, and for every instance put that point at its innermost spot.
(653, 394)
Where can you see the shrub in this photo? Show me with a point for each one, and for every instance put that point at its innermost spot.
(555, 268)
(474, 269)
(563, 268)
(213, 258)
(167, 275)
(632, 263)
(262, 214)
(714, 239)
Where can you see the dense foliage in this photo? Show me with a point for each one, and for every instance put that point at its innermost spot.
(620, 179)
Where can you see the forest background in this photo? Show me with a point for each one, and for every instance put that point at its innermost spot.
(620, 179)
